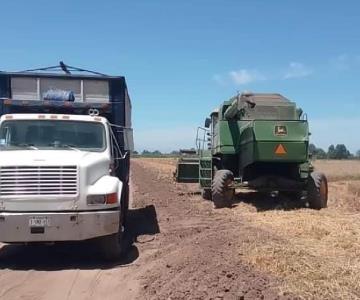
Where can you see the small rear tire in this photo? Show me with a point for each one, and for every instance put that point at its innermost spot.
(317, 189)
(222, 193)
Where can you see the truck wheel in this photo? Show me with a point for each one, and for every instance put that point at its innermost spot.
(317, 189)
(125, 203)
(111, 246)
(206, 194)
(222, 194)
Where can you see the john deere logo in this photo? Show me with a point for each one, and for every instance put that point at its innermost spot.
(280, 130)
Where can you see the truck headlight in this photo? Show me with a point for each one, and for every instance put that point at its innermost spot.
(102, 199)
(95, 199)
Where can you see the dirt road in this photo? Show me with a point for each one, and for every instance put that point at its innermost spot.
(179, 247)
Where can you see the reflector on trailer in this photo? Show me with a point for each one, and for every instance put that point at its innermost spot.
(280, 150)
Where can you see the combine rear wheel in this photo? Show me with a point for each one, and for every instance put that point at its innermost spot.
(206, 194)
(222, 193)
(317, 190)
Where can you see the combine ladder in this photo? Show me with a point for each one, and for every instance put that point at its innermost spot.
(205, 159)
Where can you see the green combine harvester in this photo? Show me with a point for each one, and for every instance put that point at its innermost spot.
(258, 142)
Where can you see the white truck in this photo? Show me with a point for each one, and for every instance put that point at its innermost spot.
(64, 165)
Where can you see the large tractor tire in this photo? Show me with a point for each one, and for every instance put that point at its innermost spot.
(206, 194)
(317, 190)
(222, 194)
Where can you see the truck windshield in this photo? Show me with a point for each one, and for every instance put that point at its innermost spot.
(52, 134)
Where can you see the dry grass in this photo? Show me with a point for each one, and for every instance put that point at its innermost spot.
(164, 166)
(339, 169)
(335, 170)
(317, 253)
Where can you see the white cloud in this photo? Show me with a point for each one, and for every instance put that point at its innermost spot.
(344, 62)
(245, 76)
(341, 62)
(239, 77)
(297, 70)
(219, 79)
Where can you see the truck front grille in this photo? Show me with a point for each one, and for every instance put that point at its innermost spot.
(38, 180)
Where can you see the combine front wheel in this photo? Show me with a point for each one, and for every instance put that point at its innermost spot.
(317, 190)
(222, 193)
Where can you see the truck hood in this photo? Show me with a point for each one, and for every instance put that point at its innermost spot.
(46, 157)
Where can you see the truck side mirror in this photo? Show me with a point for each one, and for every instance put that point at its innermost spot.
(207, 122)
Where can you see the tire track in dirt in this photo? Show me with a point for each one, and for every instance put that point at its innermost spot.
(196, 253)
(178, 247)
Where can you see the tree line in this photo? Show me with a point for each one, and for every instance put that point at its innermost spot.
(339, 151)
(334, 152)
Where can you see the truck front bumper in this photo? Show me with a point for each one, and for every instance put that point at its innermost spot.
(59, 226)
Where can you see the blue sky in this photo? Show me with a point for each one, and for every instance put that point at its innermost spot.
(182, 58)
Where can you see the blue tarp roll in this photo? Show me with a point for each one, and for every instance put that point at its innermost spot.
(59, 95)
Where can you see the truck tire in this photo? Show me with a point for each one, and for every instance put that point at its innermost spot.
(317, 189)
(222, 195)
(125, 203)
(111, 246)
(206, 194)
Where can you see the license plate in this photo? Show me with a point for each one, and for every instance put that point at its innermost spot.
(39, 222)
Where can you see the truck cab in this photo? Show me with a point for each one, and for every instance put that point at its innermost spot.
(64, 165)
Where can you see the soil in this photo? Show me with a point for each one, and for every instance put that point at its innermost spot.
(178, 247)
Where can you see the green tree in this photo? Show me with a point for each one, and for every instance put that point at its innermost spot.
(320, 153)
(317, 152)
(341, 152)
(156, 152)
(357, 155)
(331, 152)
(312, 149)
(145, 152)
